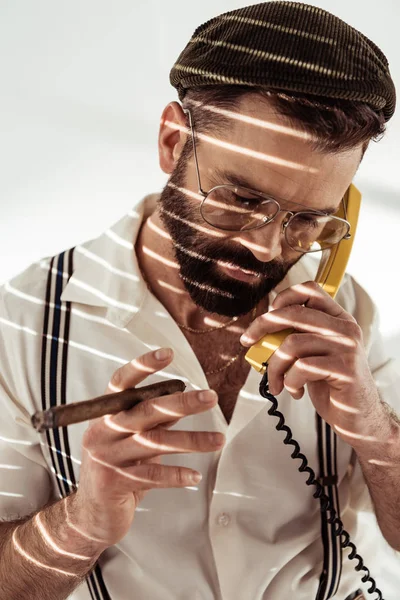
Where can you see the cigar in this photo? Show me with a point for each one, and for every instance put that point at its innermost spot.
(110, 404)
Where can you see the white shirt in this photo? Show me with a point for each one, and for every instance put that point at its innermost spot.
(251, 529)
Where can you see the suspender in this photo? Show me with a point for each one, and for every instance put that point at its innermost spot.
(53, 390)
(53, 387)
(332, 567)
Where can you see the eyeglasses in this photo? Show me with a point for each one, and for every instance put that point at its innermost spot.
(235, 208)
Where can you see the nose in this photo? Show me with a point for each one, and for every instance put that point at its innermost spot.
(265, 243)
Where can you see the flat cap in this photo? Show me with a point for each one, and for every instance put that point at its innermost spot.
(287, 46)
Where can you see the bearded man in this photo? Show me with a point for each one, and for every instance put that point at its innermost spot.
(194, 495)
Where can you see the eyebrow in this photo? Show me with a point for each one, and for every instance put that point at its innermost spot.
(241, 181)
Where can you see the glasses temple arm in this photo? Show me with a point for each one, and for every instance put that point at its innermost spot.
(189, 115)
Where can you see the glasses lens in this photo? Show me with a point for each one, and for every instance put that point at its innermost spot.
(309, 232)
(236, 209)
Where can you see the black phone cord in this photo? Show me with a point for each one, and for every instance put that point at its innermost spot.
(319, 492)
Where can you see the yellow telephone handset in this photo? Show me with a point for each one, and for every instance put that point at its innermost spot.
(330, 273)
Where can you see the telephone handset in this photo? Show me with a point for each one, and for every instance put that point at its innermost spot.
(330, 273)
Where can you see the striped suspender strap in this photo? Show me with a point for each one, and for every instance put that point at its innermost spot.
(332, 568)
(53, 387)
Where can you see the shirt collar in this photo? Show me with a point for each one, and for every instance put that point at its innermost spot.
(106, 271)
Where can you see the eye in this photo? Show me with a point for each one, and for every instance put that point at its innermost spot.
(247, 202)
(308, 218)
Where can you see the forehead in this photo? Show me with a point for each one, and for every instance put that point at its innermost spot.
(277, 157)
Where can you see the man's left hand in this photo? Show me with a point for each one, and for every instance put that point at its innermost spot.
(326, 352)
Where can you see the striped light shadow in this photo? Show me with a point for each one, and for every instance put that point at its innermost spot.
(323, 372)
(209, 288)
(262, 156)
(121, 472)
(111, 424)
(249, 244)
(230, 265)
(19, 294)
(94, 351)
(119, 240)
(49, 541)
(78, 529)
(344, 407)
(272, 56)
(282, 28)
(235, 495)
(15, 292)
(159, 258)
(11, 495)
(101, 261)
(101, 295)
(137, 365)
(18, 327)
(14, 441)
(158, 229)
(213, 323)
(382, 463)
(161, 314)
(34, 561)
(227, 357)
(133, 214)
(270, 317)
(259, 123)
(356, 436)
(108, 422)
(170, 288)
(45, 267)
(95, 319)
(196, 226)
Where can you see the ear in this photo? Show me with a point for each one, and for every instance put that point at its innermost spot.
(172, 136)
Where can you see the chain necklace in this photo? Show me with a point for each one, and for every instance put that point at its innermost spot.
(225, 366)
(234, 358)
(208, 330)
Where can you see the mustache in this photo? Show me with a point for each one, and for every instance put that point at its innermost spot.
(207, 253)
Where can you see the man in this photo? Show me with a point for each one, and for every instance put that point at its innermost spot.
(279, 103)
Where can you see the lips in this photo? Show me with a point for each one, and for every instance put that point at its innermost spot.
(239, 273)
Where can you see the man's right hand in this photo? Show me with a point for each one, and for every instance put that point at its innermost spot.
(121, 454)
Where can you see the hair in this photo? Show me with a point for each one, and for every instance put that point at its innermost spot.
(335, 125)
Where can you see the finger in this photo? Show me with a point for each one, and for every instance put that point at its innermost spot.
(155, 442)
(301, 318)
(301, 345)
(318, 368)
(313, 296)
(164, 410)
(134, 372)
(154, 475)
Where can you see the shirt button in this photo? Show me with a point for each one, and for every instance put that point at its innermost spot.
(223, 519)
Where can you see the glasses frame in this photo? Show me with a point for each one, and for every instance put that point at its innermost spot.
(285, 223)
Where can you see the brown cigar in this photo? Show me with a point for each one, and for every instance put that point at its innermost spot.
(110, 404)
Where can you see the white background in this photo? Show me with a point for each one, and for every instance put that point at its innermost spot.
(83, 84)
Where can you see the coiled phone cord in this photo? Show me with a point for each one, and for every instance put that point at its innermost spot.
(319, 492)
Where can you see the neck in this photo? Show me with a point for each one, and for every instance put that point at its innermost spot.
(157, 262)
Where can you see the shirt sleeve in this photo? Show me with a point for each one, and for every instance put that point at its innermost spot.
(25, 484)
(385, 371)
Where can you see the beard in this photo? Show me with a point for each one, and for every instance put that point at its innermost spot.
(197, 256)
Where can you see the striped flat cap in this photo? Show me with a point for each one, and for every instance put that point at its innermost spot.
(287, 46)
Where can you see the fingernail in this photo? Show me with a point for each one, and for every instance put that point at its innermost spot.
(217, 439)
(207, 396)
(245, 341)
(196, 477)
(163, 353)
